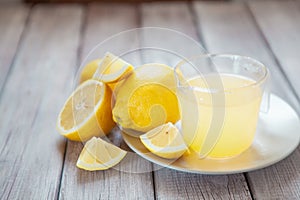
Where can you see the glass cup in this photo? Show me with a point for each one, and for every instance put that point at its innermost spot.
(220, 99)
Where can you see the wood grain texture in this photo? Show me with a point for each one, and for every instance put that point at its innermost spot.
(170, 184)
(12, 23)
(229, 28)
(109, 184)
(174, 17)
(10, 1)
(104, 20)
(279, 22)
(31, 150)
(168, 15)
(42, 74)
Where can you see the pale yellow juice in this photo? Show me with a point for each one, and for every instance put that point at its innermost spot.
(220, 124)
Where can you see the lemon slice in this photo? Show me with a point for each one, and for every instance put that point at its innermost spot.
(112, 69)
(164, 141)
(87, 112)
(89, 70)
(99, 155)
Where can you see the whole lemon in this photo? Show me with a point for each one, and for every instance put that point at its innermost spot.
(146, 98)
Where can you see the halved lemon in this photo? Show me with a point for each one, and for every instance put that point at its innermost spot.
(87, 112)
(164, 141)
(112, 69)
(98, 154)
(89, 70)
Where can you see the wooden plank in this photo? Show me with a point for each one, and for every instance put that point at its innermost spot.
(32, 151)
(109, 184)
(170, 184)
(12, 22)
(230, 28)
(175, 18)
(10, 1)
(179, 185)
(104, 20)
(279, 23)
(90, 1)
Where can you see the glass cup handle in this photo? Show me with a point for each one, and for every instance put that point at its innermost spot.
(265, 101)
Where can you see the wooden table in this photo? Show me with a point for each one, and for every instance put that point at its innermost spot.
(41, 46)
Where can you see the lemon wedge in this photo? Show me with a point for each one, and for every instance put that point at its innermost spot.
(89, 70)
(87, 112)
(146, 98)
(112, 69)
(164, 141)
(98, 154)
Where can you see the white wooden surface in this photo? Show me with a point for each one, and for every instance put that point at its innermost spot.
(228, 27)
(31, 150)
(283, 179)
(170, 184)
(40, 52)
(12, 22)
(112, 183)
(280, 26)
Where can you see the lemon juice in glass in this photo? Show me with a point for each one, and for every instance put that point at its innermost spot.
(220, 97)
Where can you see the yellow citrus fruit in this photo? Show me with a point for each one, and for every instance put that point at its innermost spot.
(87, 112)
(98, 154)
(89, 70)
(112, 69)
(164, 141)
(146, 98)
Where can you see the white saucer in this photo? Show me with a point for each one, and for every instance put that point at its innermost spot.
(277, 136)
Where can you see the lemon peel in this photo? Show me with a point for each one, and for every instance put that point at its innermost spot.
(165, 141)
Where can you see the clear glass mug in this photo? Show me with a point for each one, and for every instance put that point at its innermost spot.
(220, 99)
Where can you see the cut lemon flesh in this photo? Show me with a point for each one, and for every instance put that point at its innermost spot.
(164, 141)
(98, 154)
(87, 112)
(112, 69)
